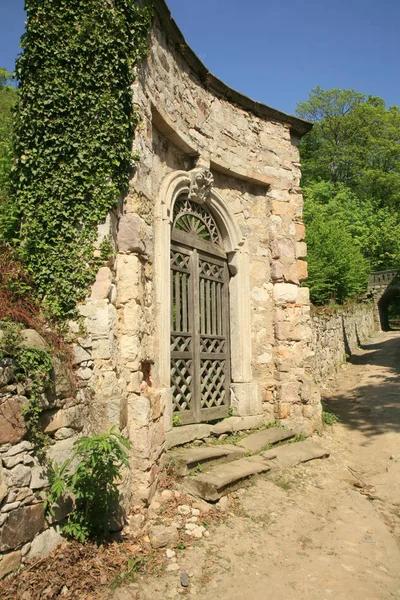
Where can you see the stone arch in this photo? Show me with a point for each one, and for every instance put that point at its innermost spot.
(244, 393)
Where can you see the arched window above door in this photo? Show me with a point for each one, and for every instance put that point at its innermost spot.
(195, 219)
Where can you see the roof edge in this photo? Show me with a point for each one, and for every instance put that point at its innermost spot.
(210, 81)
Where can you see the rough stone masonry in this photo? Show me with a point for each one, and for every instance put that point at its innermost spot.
(238, 160)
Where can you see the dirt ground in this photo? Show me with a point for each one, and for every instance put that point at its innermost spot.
(329, 529)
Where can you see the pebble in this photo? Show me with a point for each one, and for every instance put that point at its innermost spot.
(184, 509)
(193, 519)
(191, 526)
(185, 579)
(173, 567)
(223, 503)
(195, 512)
(167, 494)
(170, 553)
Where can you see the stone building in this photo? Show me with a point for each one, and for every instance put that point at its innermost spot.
(200, 314)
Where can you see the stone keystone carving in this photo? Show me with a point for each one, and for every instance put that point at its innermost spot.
(201, 182)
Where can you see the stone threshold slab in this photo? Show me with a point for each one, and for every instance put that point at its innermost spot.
(291, 455)
(185, 434)
(223, 479)
(255, 442)
(183, 461)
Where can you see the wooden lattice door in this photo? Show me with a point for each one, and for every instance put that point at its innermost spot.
(200, 373)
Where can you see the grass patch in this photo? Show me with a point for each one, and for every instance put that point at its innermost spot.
(328, 417)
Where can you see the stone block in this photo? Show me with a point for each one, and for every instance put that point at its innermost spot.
(128, 278)
(131, 234)
(291, 273)
(44, 543)
(277, 270)
(81, 355)
(9, 562)
(285, 292)
(183, 435)
(129, 347)
(289, 392)
(12, 424)
(233, 424)
(302, 269)
(301, 249)
(61, 450)
(39, 479)
(300, 231)
(21, 526)
(282, 208)
(289, 331)
(19, 476)
(284, 410)
(303, 296)
(282, 248)
(31, 339)
(133, 317)
(101, 287)
(245, 399)
(53, 420)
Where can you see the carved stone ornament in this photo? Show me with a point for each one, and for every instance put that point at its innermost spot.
(201, 182)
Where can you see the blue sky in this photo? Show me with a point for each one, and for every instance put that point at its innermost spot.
(276, 52)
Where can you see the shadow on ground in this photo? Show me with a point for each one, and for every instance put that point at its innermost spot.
(372, 402)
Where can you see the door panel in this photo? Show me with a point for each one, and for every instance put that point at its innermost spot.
(200, 374)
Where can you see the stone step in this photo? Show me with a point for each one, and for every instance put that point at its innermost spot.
(223, 479)
(290, 455)
(183, 461)
(255, 442)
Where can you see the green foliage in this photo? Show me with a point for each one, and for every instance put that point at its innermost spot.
(337, 269)
(329, 418)
(176, 421)
(8, 97)
(351, 182)
(93, 482)
(74, 125)
(128, 575)
(33, 368)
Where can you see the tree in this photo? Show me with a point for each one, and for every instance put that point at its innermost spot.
(351, 176)
(336, 265)
(355, 140)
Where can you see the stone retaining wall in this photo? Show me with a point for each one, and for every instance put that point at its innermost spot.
(25, 532)
(336, 334)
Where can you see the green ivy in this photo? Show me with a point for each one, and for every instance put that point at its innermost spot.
(33, 368)
(74, 125)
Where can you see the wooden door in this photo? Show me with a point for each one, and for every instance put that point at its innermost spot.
(200, 373)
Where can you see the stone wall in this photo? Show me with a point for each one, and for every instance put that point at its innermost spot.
(336, 334)
(25, 532)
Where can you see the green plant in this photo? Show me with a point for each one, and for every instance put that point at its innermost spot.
(180, 546)
(74, 124)
(230, 411)
(33, 368)
(93, 483)
(176, 421)
(329, 418)
(128, 575)
(199, 468)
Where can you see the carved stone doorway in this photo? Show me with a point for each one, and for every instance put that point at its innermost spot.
(200, 357)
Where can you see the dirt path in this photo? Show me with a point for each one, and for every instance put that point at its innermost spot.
(329, 529)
